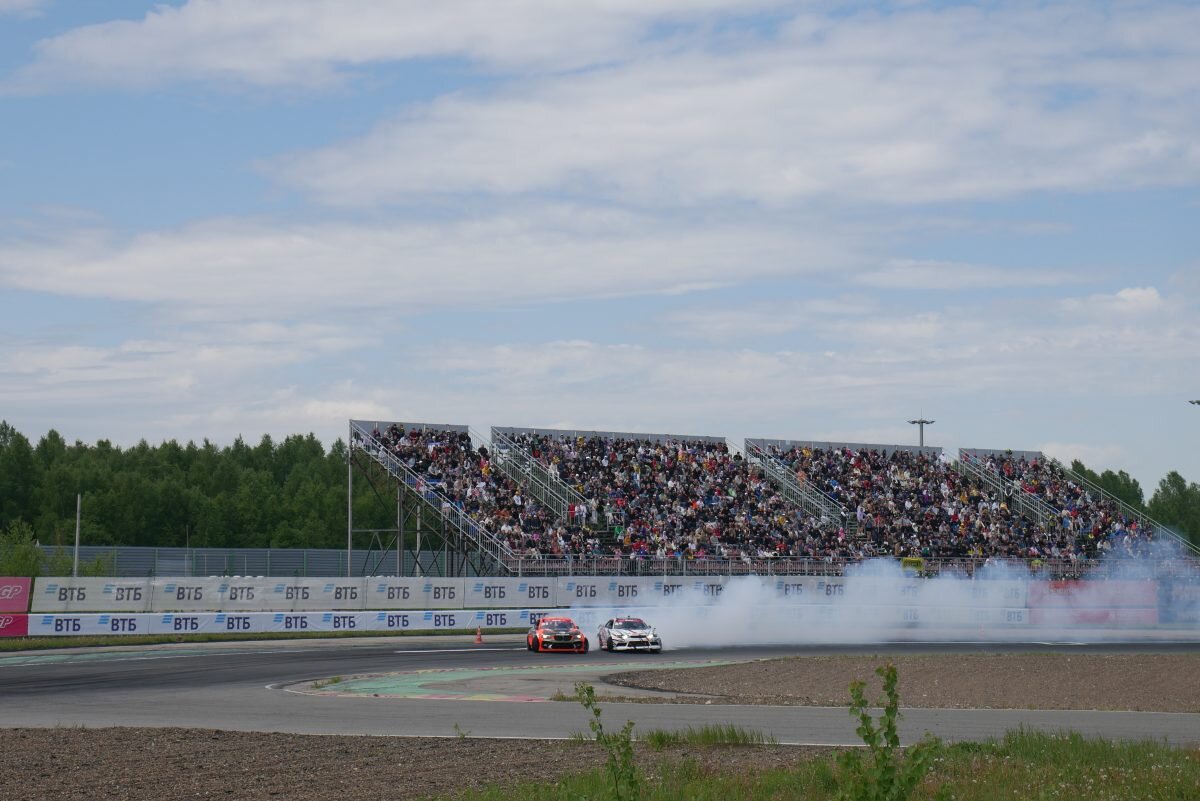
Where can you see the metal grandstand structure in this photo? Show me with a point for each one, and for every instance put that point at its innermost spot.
(521, 466)
(422, 510)
(971, 463)
(1128, 510)
(794, 490)
(433, 535)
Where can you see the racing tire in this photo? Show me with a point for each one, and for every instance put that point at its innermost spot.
(584, 649)
(608, 646)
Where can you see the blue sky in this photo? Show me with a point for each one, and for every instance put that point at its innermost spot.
(809, 220)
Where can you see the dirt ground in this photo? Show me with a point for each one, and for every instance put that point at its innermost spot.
(1135, 682)
(152, 764)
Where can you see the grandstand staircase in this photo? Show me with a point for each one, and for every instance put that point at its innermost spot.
(1025, 502)
(1158, 529)
(472, 536)
(800, 493)
(545, 487)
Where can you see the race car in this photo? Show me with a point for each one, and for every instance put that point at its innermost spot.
(629, 634)
(556, 634)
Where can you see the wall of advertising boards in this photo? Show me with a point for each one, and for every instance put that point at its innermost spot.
(74, 606)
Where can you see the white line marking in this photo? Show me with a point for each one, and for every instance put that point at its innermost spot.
(458, 650)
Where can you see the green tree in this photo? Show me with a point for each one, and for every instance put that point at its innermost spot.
(1119, 484)
(17, 475)
(19, 554)
(1176, 503)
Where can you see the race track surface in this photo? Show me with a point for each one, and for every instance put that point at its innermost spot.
(266, 687)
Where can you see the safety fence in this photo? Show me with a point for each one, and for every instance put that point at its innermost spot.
(75, 606)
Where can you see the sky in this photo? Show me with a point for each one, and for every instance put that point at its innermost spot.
(802, 220)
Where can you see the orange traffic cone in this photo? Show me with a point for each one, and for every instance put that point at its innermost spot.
(478, 635)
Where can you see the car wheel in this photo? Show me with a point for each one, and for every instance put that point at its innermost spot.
(608, 646)
(584, 650)
(528, 643)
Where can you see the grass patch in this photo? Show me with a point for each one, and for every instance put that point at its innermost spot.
(1022, 765)
(708, 734)
(321, 684)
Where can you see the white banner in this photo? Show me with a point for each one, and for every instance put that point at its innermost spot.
(499, 593)
(318, 594)
(415, 593)
(67, 594)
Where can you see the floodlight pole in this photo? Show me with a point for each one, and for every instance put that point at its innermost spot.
(349, 496)
(921, 423)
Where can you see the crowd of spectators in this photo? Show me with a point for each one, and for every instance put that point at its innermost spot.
(916, 503)
(683, 498)
(1095, 523)
(694, 499)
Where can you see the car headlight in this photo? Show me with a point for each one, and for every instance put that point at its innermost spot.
(619, 635)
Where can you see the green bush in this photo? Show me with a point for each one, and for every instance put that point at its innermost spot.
(622, 772)
(884, 773)
(19, 554)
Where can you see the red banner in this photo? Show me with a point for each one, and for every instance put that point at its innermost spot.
(1093, 594)
(14, 594)
(1093, 617)
(14, 625)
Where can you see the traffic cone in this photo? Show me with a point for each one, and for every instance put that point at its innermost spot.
(478, 635)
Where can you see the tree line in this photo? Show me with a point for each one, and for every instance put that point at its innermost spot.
(287, 494)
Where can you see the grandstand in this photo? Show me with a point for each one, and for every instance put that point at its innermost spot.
(528, 501)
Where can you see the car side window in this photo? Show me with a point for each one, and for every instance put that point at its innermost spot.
(608, 625)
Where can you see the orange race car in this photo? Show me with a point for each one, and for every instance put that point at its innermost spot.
(556, 634)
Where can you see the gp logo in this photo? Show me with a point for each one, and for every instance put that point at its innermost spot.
(10, 591)
(6, 621)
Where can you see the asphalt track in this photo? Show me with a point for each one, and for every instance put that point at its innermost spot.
(267, 687)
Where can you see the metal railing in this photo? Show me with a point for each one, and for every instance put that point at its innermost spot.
(790, 566)
(521, 466)
(801, 493)
(454, 517)
(1025, 502)
(1092, 488)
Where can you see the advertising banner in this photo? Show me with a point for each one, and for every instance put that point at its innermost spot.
(14, 594)
(13, 625)
(386, 592)
(74, 625)
(1179, 602)
(1093, 594)
(499, 593)
(1052, 616)
(67, 594)
(299, 594)
(186, 594)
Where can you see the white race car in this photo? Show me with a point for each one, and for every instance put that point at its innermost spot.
(628, 634)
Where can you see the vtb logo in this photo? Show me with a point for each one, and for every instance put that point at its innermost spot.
(10, 591)
(6, 621)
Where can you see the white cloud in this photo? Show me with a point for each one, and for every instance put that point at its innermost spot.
(916, 106)
(1097, 457)
(543, 253)
(955, 276)
(312, 42)
(21, 7)
(1126, 302)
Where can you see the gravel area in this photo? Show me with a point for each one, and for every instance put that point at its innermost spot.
(145, 764)
(1133, 682)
